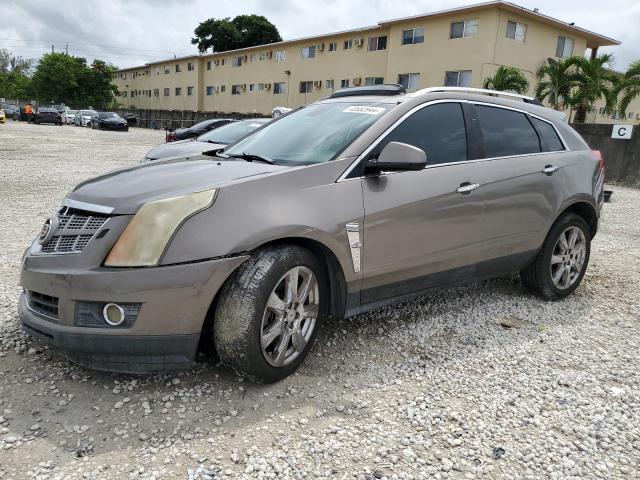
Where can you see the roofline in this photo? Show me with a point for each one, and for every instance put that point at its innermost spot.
(593, 39)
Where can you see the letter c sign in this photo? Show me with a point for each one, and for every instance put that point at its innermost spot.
(622, 131)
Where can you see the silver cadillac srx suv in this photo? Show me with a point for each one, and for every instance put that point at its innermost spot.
(363, 198)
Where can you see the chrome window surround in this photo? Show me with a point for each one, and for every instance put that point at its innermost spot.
(368, 150)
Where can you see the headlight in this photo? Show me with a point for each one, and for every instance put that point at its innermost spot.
(146, 237)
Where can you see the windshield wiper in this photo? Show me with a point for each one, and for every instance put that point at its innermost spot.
(252, 157)
(212, 141)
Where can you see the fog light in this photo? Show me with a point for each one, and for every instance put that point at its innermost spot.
(113, 314)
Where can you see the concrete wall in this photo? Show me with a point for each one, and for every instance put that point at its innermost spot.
(621, 157)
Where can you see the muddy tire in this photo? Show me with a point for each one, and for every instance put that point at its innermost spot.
(269, 312)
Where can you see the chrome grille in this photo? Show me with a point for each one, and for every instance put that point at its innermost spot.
(75, 231)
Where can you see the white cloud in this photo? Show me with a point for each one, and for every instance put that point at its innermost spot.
(129, 33)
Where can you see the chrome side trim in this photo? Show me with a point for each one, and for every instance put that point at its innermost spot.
(353, 234)
(89, 207)
(366, 152)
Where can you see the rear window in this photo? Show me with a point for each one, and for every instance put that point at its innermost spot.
(506, 132)
(549, 140)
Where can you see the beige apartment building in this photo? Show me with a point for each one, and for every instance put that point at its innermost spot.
(456, 47)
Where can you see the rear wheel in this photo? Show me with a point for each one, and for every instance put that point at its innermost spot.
(562, 262)
(269, 311)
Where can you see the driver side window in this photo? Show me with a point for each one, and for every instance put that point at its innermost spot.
(438, 129)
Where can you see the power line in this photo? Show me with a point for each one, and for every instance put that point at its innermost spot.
(85, 43)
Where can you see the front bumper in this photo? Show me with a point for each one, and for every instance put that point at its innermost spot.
(106, 126)
(174, 303)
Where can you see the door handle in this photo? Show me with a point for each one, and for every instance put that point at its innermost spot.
(466, 188)
(549, 169)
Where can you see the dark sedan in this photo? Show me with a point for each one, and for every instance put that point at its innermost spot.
(48, 115)
(209, 142)
(200, 128)
(109, 121)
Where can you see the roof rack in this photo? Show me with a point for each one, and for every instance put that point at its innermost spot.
(479, 91)
(384, 89)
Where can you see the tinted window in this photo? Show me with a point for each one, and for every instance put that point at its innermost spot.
(230, 133)
(438, 130)
(506, 132)
(549, 140)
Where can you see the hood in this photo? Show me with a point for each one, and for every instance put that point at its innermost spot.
(182, 148)
(126, 190)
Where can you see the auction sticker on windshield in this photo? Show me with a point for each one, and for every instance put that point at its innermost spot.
(364, 109)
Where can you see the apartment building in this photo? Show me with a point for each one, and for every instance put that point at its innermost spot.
(455, 47)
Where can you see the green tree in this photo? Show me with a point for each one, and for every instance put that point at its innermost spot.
(556, 80)
(56, 77)
(629, 87)
(595, 80)
(222, 34)
(507, 79)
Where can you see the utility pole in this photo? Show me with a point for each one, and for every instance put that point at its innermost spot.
(66, 49)
(52, 48)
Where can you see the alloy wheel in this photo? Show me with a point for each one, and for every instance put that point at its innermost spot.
(290, 316)
(568, 258)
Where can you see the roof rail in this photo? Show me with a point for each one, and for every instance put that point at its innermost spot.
(383, 89)
(478, 91)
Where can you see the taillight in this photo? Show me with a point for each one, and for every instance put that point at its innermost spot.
(598, 155)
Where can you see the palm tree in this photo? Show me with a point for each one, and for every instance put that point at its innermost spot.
(556, 80)
(507, 79)
(595, 80)
(629, 87)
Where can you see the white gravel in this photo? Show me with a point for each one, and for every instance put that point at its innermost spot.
(434, 388)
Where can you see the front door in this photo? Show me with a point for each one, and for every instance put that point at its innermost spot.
(420, 227)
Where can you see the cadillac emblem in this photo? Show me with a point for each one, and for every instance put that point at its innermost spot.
(48, 229)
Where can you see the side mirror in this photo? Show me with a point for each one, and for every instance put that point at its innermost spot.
(397, 156)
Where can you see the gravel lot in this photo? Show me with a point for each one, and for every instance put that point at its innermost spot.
(433, 388)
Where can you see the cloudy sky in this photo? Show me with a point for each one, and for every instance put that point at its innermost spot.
(133, 32)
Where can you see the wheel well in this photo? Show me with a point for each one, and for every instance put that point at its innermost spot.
(587, 212)
(335, 274)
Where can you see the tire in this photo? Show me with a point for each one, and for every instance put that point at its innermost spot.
(571, 265)
(242, 315)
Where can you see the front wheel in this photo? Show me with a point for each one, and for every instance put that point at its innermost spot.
(269, 311)
(562, 262)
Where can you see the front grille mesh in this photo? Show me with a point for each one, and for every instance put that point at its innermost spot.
(43, 304)
(76, 229)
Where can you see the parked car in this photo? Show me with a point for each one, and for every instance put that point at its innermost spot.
(59, 108)
(199, 128)
(68, 116)
(83, 117)
(48, 115)
(209, 142)
(3, 117)
(19, 115)
(279, 111)
(361, 199)
(131, 119)
(9, 110)
(109, 121)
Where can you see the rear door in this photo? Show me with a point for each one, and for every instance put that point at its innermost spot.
(521, 180)
(419, 230)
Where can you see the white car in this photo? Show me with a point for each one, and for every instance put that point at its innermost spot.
(278, 111)
(68, 116)
(83, 117)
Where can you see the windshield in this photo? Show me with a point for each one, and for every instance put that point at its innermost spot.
(88, 112)
(230, 133)
(109, 115)
(314, 134)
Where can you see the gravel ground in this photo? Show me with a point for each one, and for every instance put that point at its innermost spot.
(438, 387)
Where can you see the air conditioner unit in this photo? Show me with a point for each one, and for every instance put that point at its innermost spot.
(268, 54)
(359, 42)
(217, 89)
(245, 58)
(317, 84)
(320, 47)
(216, 62)
(267, 86)
(244, 86)
(357, 81)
